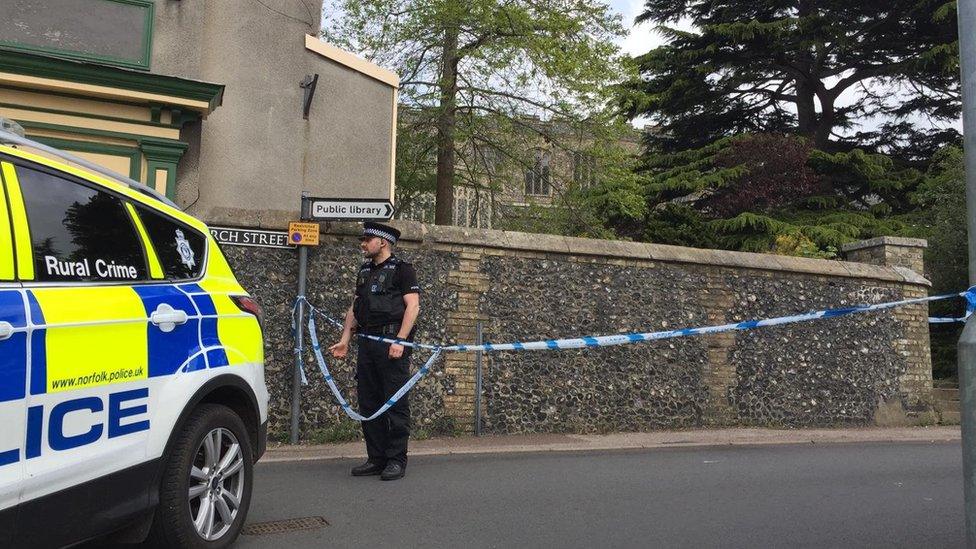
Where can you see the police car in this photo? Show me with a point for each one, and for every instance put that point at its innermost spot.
(132, 393)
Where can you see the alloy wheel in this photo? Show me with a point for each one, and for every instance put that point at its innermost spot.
(216, 484)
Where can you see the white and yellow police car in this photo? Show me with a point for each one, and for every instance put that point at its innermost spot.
(132, 393)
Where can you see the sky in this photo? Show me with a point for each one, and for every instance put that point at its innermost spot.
(641, 38)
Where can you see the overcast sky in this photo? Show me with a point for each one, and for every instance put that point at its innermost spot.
(640, 39)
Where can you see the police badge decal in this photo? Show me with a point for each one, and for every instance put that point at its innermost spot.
(183, 247)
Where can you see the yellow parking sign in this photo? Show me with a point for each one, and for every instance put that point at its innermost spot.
(303, 234)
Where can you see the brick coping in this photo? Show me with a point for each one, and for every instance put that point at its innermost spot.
(431, 235)
(885, 241)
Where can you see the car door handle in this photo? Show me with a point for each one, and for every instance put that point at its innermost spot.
(6, 330)
(167, 317)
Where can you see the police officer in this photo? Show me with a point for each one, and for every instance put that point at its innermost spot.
(386, 304)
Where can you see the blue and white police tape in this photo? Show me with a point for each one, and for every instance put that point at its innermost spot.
(294, 327)
(637, 337)
(970, 296)
(945, 320)
(591, 341)
(346, 407)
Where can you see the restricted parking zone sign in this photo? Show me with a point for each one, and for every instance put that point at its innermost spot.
(303, 233)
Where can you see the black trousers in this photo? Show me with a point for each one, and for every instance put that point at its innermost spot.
(378, 377)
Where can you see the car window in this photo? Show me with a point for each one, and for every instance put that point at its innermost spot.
(79, 234)
(180, 249)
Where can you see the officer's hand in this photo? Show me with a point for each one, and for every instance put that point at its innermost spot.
(396, 351)
(339, 350)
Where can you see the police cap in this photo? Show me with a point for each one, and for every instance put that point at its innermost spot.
(371, 228)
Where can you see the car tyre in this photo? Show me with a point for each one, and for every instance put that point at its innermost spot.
(205, 489)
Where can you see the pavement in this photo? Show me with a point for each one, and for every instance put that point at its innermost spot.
(531, 443)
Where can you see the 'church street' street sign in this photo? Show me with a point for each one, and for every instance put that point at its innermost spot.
(251, 237)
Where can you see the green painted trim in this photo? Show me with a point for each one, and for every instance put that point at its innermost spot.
(141, 64)
(166, 152)
(147, 37)
(89, 115)
(184, 117)
(162, 150)
(135, 156)
(69, 95)
(170, 167)
(101, 75)
(162, 154)
(88, 131)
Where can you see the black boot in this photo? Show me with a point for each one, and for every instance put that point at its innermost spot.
(367, 469)
(393, 470)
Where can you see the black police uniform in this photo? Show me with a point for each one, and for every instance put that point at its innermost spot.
(379, 311)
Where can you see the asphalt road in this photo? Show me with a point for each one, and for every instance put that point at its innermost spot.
(836, 495)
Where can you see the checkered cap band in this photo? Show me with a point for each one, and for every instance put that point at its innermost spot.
(382, 234)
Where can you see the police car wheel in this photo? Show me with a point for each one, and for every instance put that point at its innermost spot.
(206, 487)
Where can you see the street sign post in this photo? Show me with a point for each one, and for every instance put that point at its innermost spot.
(348, 209)
(966, 12)
(307, 234)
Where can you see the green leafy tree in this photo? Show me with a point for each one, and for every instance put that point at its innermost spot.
(415, 169)
(816, 68)
(471, 71)
(942, 221)
(609, 204)
(749, 191)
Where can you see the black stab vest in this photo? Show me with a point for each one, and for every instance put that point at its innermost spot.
(378, 301)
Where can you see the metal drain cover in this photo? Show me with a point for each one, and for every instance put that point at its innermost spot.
(286, 525)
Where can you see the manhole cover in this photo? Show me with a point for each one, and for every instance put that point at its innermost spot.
(287, 525)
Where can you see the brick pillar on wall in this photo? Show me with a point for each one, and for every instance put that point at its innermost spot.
(462, 328)
(916, 382)
(719, 372)
(890, 251)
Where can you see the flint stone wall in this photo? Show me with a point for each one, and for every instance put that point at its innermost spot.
(859, 370)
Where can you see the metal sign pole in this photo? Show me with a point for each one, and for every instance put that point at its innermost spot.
(967, 343)
(296, 386)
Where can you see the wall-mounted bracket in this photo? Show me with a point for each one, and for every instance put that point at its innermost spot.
(309, 86)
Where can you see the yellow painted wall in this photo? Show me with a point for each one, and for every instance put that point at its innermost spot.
(160, 181)
(120, 164)
(73, 104)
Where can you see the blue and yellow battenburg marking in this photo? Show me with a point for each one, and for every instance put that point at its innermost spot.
(74, 342)
(13, 361)
(181, 348)
(70, 342)
(69, 339)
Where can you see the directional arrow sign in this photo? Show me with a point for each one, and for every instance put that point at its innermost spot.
(352, 209)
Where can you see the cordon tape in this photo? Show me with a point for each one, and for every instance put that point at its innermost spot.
(584, 342)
